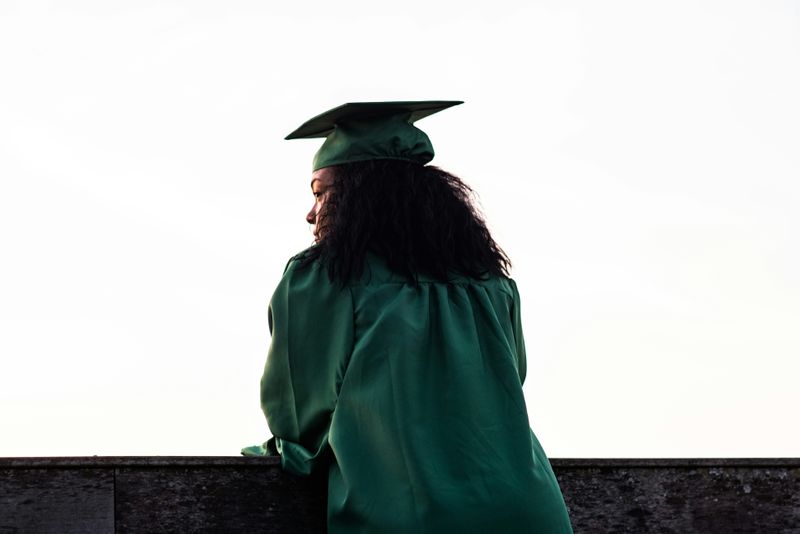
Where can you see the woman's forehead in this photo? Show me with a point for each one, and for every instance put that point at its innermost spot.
(324, 176)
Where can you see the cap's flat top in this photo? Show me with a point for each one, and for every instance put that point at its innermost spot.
(322, 125)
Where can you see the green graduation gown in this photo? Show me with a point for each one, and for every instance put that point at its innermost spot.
(411, 399)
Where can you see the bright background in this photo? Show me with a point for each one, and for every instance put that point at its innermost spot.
(637, 160)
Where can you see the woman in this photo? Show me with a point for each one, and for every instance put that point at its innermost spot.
(397, 357)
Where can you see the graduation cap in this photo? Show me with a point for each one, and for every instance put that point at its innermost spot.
(363, 131)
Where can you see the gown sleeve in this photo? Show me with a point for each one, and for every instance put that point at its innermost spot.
(516, 322)
(311, 321)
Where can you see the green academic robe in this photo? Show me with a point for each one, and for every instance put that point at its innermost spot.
(411, 399)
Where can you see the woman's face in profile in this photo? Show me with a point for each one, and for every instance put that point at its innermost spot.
(321, 183)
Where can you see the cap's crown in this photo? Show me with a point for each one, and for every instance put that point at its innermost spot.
(363, 131)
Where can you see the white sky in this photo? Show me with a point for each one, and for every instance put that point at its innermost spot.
(637, 160)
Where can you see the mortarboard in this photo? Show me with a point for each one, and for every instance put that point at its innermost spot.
(363, 131)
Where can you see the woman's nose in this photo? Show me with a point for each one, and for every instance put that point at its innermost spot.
(311, 217)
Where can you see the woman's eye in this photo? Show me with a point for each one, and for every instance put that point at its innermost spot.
(317, 194)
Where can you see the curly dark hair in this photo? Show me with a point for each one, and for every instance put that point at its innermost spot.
(419, 219)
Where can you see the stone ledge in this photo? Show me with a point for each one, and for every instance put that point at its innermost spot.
(237, 494)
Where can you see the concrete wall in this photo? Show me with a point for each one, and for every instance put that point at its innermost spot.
(232, 494)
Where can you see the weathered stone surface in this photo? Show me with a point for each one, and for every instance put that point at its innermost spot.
(58, 501)
(680, 496)
(217, 499)
(234, 494)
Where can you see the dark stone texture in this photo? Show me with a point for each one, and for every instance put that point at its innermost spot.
(235, 494)
(59, 501)
(217, 499)
(719, 497)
